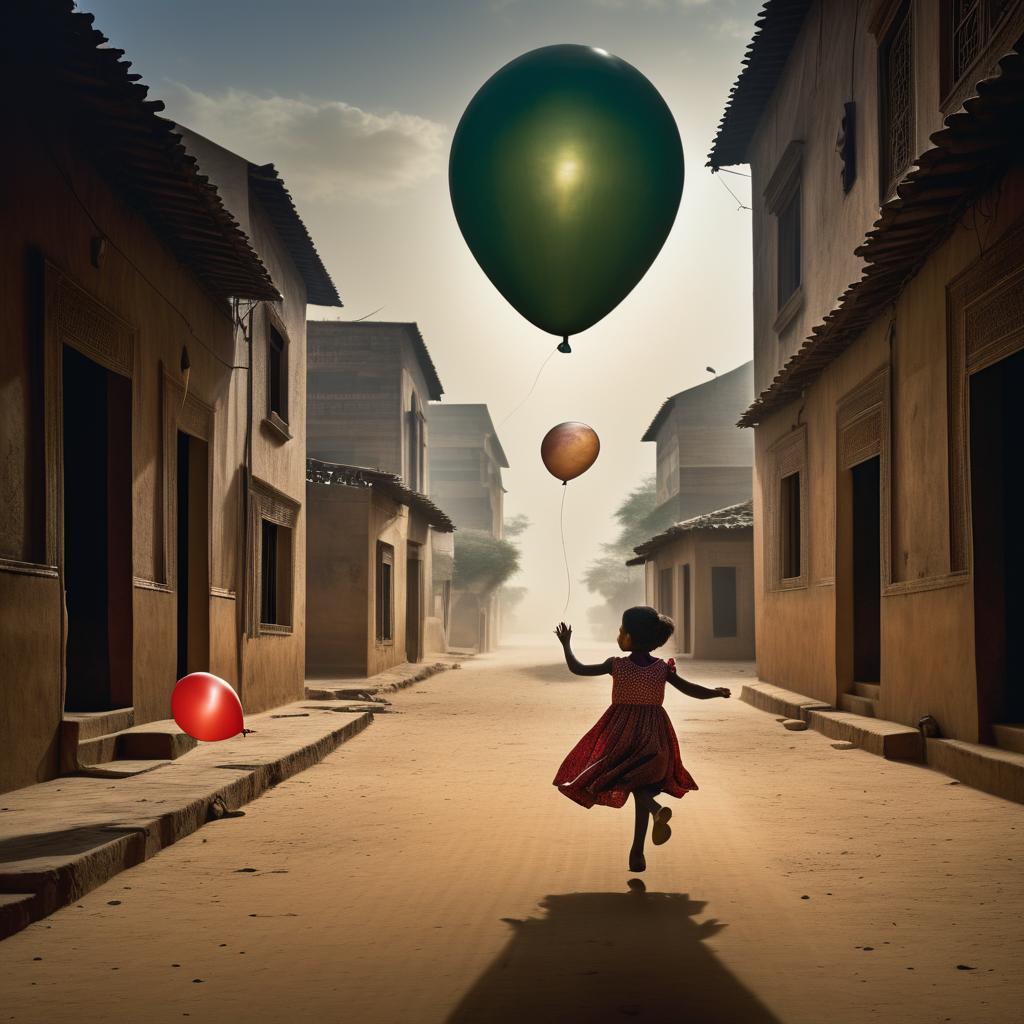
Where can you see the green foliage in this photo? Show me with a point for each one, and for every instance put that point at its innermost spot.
(515, 526)
(482, 562)
(639, 519)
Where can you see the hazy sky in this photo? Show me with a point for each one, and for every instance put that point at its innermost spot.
(356, 103)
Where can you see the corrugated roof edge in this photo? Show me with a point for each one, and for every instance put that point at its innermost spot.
(902, 238)
(733, 517)
(338, 474)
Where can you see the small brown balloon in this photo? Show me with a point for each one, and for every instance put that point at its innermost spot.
(569, 450)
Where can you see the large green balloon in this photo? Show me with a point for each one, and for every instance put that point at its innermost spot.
(565, 174)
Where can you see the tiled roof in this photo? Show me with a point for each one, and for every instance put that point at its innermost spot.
(54, 55)
(776, 29)
(651, 434)
(732, 517)
(277, 201)
(969, 155)
(337, 475)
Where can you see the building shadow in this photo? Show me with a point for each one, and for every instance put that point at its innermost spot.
(592, 958)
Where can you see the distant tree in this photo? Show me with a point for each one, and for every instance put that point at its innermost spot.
(621, 586)
(482, 562)
(515, 526)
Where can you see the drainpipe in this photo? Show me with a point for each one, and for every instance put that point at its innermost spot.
(243, 588)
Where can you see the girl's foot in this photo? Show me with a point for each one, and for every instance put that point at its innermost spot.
(637, 861)
(661, 832)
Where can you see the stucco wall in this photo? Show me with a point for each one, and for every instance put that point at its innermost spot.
(927, 630)
(44, 221)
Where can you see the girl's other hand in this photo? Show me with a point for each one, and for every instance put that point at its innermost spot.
(723, 691)
(563, 632)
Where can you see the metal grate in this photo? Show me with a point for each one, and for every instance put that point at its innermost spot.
(968, 29)
(898, 83)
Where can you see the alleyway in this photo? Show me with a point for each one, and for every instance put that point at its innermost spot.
(427, 872)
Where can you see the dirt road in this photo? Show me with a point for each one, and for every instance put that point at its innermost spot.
(428, 872)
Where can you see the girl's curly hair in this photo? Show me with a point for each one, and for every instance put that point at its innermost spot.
(647, 627)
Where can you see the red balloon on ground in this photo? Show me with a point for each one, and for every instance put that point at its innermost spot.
(206, 707)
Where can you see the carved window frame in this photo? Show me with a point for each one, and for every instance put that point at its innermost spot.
(273, 421)
(786, 456)
(784, 189)
(863, 431)
(267, 502)
(985, 324)
(999, 36)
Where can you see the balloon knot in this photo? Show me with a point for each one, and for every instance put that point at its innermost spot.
(564, 346)
(564, 482)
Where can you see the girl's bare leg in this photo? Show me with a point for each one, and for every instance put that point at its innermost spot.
(637, 861)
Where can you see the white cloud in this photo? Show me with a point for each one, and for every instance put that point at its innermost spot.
(325, 149)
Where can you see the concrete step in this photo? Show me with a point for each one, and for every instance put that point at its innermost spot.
(16, 911)
(1010, 737)
(87, 725)
(889, 739)
(857, 705)
(869, 690)
(157, 741)
(778, 701)
(120, 769)
(1000, 772)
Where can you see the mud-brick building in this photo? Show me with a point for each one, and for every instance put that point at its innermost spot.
(888, 254)
(703, 462)
(370, 558)
(701, 573)
(263, 616)
(466, 460)
(368, 385)
(123, 518)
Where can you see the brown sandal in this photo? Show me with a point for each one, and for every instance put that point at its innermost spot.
(661, 833)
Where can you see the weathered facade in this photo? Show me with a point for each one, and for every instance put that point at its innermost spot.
(703, 462)
(122, 444)
(466, 460)
(368, 385)
(700, 573)
(369, 571)
(888, 333)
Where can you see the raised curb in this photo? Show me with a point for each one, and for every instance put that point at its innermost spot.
(372, 686)
(54, 860)
(778, 701)
(995, 771)
(888, 739)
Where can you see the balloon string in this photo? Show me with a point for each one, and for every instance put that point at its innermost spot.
(530, 392)
(565, 553)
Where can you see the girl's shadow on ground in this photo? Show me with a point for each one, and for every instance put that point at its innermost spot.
(600, 957)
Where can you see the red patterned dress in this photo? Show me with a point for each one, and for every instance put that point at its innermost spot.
(633, 744)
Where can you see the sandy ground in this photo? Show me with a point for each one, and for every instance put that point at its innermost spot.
(428, 872)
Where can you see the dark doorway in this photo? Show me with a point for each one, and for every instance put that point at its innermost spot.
(867, 575)
(684, 599)
(412, 609)
(193, 580)
(998, 545)
(665, 592)
(723, 600)
(97, 482)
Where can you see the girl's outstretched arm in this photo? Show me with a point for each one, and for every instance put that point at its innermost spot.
(564, 634)
(695, 689)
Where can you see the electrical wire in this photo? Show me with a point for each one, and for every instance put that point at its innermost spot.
(742, 205)
(113, 245)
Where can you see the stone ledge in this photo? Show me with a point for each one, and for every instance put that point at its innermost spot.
(778, 701)
(368, 688)
(63, 838)
(999, 772)
(875, 735)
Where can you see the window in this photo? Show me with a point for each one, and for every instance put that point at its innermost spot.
(723, 600)
(789, 248)
(416, 443)
(385, 593)
(684, 594)
(275, 573)
(969, 29)
(896, 94)
(789, 521)
(782, 198)
(667, 472)
(277, 382)
(665, 591)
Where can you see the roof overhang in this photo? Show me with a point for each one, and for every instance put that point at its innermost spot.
(732, 518)
(969, 155)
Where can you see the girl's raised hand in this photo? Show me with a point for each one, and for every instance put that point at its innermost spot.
(723, 691)
(563, 632)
